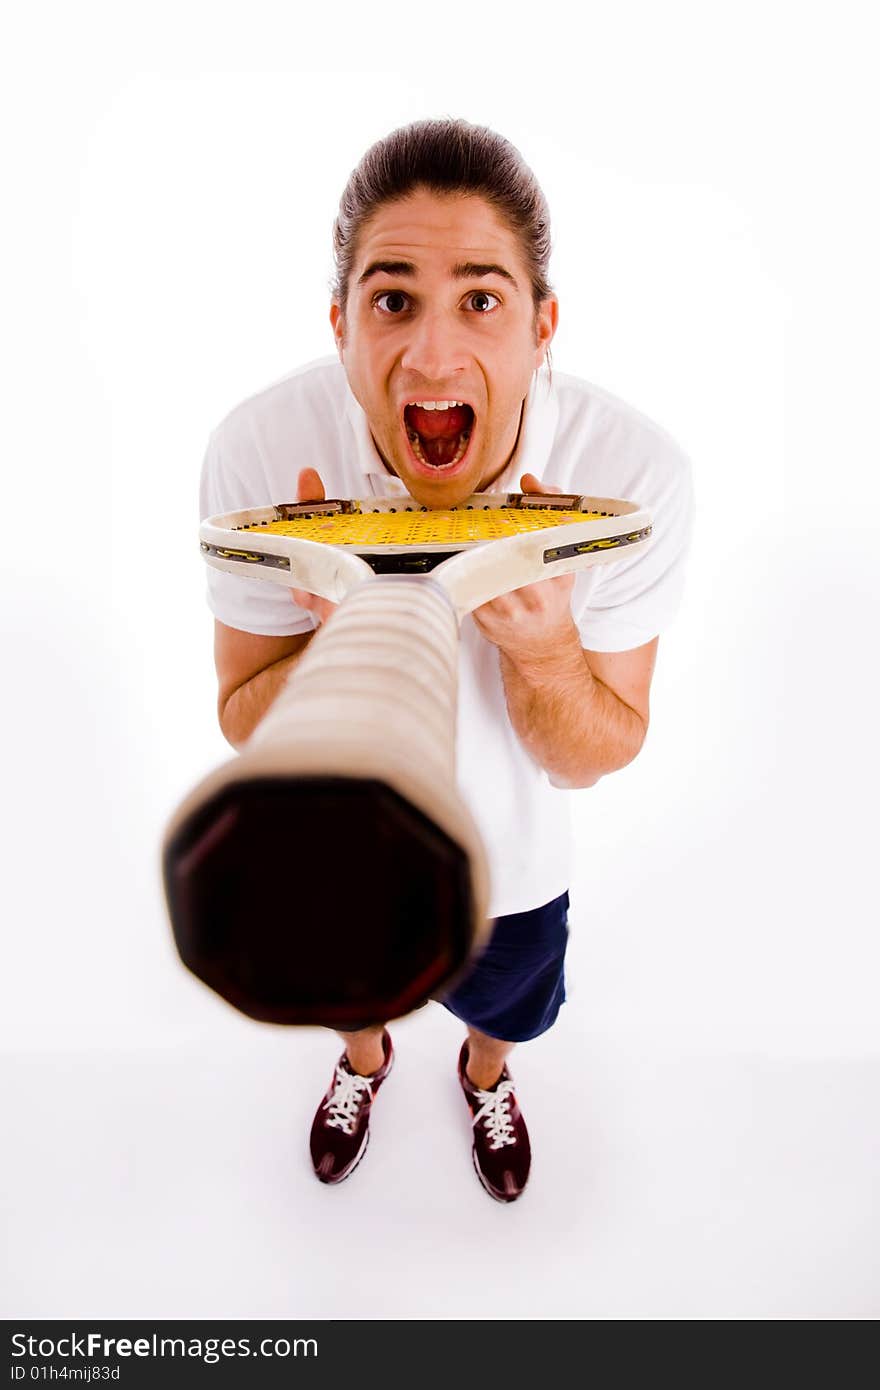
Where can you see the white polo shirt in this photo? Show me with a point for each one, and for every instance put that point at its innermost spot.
(573, 435)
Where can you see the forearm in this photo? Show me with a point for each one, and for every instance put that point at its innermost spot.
(571, 723)
(242, 711)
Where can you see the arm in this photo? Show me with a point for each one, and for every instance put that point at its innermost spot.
(251, 671)
(580, 714)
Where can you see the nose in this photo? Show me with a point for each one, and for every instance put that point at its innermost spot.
(435, 348)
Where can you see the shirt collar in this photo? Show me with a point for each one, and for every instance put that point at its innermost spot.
(531, 454)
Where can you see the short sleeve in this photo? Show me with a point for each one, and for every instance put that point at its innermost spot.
(230, 481)
(627, 603)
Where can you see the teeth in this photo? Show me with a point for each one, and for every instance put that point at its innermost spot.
(436, 405)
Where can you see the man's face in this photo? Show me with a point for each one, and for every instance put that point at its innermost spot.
(427, 321)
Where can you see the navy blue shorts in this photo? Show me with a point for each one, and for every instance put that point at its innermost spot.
(517, 985)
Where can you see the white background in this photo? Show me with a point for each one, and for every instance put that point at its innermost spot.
(704, 1114)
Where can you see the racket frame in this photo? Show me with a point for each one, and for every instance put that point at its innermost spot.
(333, 570)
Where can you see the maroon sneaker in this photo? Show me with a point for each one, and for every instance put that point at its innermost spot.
(501, 1151)
(341, 1127)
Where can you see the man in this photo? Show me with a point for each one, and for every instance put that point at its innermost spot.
(443, 318)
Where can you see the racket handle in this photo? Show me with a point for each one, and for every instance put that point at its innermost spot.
(331, 873)
(379, 680)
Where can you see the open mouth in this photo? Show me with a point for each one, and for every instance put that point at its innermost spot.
(439, 436)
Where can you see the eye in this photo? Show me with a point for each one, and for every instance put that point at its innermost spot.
(394, 295)
(484, 295)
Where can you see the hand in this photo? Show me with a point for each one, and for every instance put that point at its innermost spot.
(309, 488)
(532, 622)
(529, 483)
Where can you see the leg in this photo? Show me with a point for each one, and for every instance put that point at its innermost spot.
(485, 1058)
(364, 1049)
(516, 989)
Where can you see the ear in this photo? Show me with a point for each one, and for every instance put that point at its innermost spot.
(337, 322)
(546, 321)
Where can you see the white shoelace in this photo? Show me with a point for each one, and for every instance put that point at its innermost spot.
(346, 1100)
(494, 1109)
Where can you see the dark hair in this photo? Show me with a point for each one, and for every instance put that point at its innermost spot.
(451, 156)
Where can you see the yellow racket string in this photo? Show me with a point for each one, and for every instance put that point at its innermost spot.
(440, 527)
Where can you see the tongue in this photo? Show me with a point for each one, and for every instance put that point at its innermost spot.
(439, 424)
(439, 452)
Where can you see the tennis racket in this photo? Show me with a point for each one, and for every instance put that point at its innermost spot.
(385, 904)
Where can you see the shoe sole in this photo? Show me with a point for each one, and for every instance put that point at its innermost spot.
(491, 1191)
(335, 1181)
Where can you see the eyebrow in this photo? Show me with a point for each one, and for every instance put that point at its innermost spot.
(465, 270)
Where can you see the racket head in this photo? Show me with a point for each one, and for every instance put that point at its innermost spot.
(329, 547)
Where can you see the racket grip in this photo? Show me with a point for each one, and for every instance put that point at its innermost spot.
(379, 680)
(331, 874)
